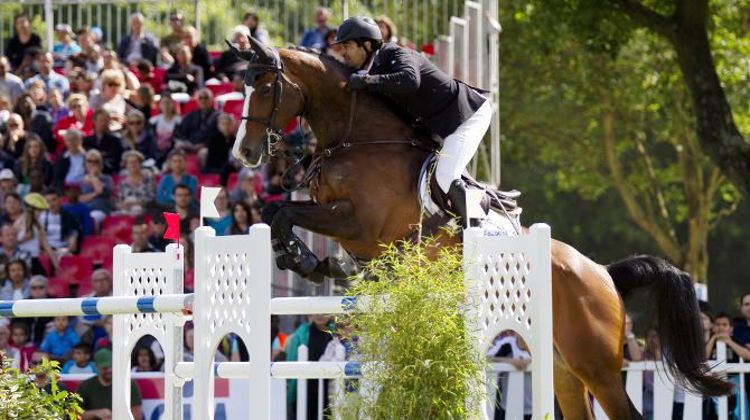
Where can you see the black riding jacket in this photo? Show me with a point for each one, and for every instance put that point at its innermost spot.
(425, 92)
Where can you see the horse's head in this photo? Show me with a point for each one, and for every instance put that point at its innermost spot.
(272, 99)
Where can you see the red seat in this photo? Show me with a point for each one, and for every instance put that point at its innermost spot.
(189, 106)
(214, 54)
(118, 220)
(57, 287)
(75, 269)
(85, 288)
(46, 264)
(118, 227)
(193, 164)
(208, 180)
(98, 249)
(234, 107)
(232, 181)
(220, 88)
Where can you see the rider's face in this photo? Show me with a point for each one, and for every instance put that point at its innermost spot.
(354, 55)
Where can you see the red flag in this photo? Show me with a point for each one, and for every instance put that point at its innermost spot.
(173, 226)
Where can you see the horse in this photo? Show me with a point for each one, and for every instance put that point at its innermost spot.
(364, 194)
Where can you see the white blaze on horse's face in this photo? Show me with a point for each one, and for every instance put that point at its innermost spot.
(242, 130)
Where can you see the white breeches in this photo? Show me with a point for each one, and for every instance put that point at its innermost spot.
(459, 147)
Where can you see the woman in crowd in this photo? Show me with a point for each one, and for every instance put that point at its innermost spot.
(112, 98)
(144, 360)
(142, 100)
(224, 221)
(22, 40)
(164, 126)
(81, 118)
(31, 235)
(241, 219)
(17, 285)
(12, 354)
(387, 29)
(96, 188)
(137, 188)
(137, 136)
(112, 62)
(177, 174)
(34, 157)
(38, 289)
(85, 84)
(184, 76)
(57, 108)
(16, 136)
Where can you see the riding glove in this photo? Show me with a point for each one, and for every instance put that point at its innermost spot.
(357, 82)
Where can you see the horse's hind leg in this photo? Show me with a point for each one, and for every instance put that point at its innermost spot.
(571, 393)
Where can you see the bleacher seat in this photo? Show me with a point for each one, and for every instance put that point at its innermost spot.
(234, 108)
(118, 227)
(98, 249)
(75, 269)
(232, 181)
(220, 88)
(57, 287)
(189, 106)
(193, 163)
(208, 180)
(46, 264)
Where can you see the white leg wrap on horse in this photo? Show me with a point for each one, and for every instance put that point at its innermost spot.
(460, 147)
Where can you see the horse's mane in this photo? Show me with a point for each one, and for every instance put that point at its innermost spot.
(328, 60)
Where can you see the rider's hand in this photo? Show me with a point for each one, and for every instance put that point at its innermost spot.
(357, 82)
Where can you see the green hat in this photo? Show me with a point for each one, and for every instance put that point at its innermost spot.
(103, 358)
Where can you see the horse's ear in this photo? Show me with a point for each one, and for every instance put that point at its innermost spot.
(264, 53)
(245, 55)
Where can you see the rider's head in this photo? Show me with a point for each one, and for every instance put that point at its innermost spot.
(360, 36)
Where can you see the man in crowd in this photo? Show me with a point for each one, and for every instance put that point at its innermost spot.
(50, 78)
(192, 132)
(10, 84)
(96, 392)
(184, 206)
(107, 143)
(139, 237)
(70, 169)
(137, 45)
(316, 37)
(61, 227)
(10, 251)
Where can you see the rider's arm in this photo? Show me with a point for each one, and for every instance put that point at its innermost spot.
(402, 77)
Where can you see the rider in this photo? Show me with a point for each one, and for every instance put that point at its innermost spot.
(449, 108)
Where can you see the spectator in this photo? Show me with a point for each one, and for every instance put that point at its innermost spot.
(315, 37)
(315, 334)
(96, 187)
(105, 142)
(224, 221)
(387, 29)
(158, 227)
(219, 144)
(139, 236)
(61, 227)
(70, 168)
(80, 361)
(177, 175)
(17, 285)
(200, 56)
(137, 136)
(142, 100)
(81, 118)
(11, 353)
(229, 64)
(137, 45)
(65, 46)
(189, 349)
(252, 22)
(137, 190)
(31, 235)
(96, 392)
(90, 57)
(32, 108)
(184, 76)
(633, 351)
(55, 106)
(722, 332)
(742, 333)
(34, 156)
(112, 62)
(28, 67)
(240, 219)
(38, 325)
(144, 360)
(111, 98)
(19, 334)
(85, 83)
(15, 140)
(6, 107)
(21, 40)
(80, 211)
(10, 84)
(146, 75)
(183, 205)
(12, 204)
(248, 186)
(173, 40)
(512, 349)
(164, 126)
(105, 342)
(34, 184)
(7, 161)
(196, 126)
(10, 251)
(50, 79)
(92, 326)
(59, 341)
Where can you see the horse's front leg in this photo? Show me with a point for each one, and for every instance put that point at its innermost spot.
(334, 219)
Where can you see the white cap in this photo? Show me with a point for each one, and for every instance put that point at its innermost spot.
(7, 174)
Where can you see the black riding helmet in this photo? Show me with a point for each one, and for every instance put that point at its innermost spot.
(358, 27)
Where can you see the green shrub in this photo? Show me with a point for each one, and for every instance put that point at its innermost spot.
(414, 345)
(21, 398)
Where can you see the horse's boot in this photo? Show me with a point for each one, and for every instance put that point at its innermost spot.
(457, 197)
(296, 256)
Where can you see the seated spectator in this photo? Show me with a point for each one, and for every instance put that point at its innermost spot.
(158, 227)
(229, 63)
(10, 250)
(315, 37)
(85, 83)
(31, 236)
(144, 360)
(59, 341)
(12, 202)
(38, 325)
(19, 334)
(136, 135)
(56, 106)
(147, 76)
(96, 187)
(22, 39)
(105, 142)
(90, 57)
(137, 190)
(198, 51)
(184, 76)
(28, 68)
(220, 144)
(11, 353)
(241, 220)
(34, 156)
(16, 137)
(48, 76)
(17, 285)
(185, 207)
(61, 227)
(137, 45)
(81, 118)
(189, 348)
(70, 168)
(10, 84)
(96, 392)
(112, 62)
(196, 126)
(142, 100)
(252, 22)
(111, 98)
(173, 40)
(32, 107)
(91, 327)
(34, 184)
(164, 126)
(65, 45)
(224, 221)
(105, 341)
(80, 211)
(248, 187)
(139, 237)
(7, 161)
(80, 361)
(177, 175)
(6, 108)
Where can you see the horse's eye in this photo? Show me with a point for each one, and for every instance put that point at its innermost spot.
(265, 90)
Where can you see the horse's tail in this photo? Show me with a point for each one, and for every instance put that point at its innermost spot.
(679, 325)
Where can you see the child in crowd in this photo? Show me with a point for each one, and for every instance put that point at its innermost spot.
(59, 342)
(19, 334)
(105, 342)
(81, 360)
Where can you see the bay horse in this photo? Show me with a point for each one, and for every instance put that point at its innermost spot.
(364, 194)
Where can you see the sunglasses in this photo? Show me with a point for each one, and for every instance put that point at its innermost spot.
(93, 161)
(135, 122)
(114, 84)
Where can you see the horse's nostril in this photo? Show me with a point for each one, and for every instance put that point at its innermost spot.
(246, 152)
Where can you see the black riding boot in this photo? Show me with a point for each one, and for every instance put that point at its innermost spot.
(457, 196)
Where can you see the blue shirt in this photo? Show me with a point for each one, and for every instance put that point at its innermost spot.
(82, 213)
(71, 367)
(77, 170)
(167, 184)
(314, 38)
(57, 344)
(741, 332)
(53, 80)
(221, 226)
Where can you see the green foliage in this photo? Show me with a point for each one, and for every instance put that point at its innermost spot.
(423, 361)
(23, 399)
